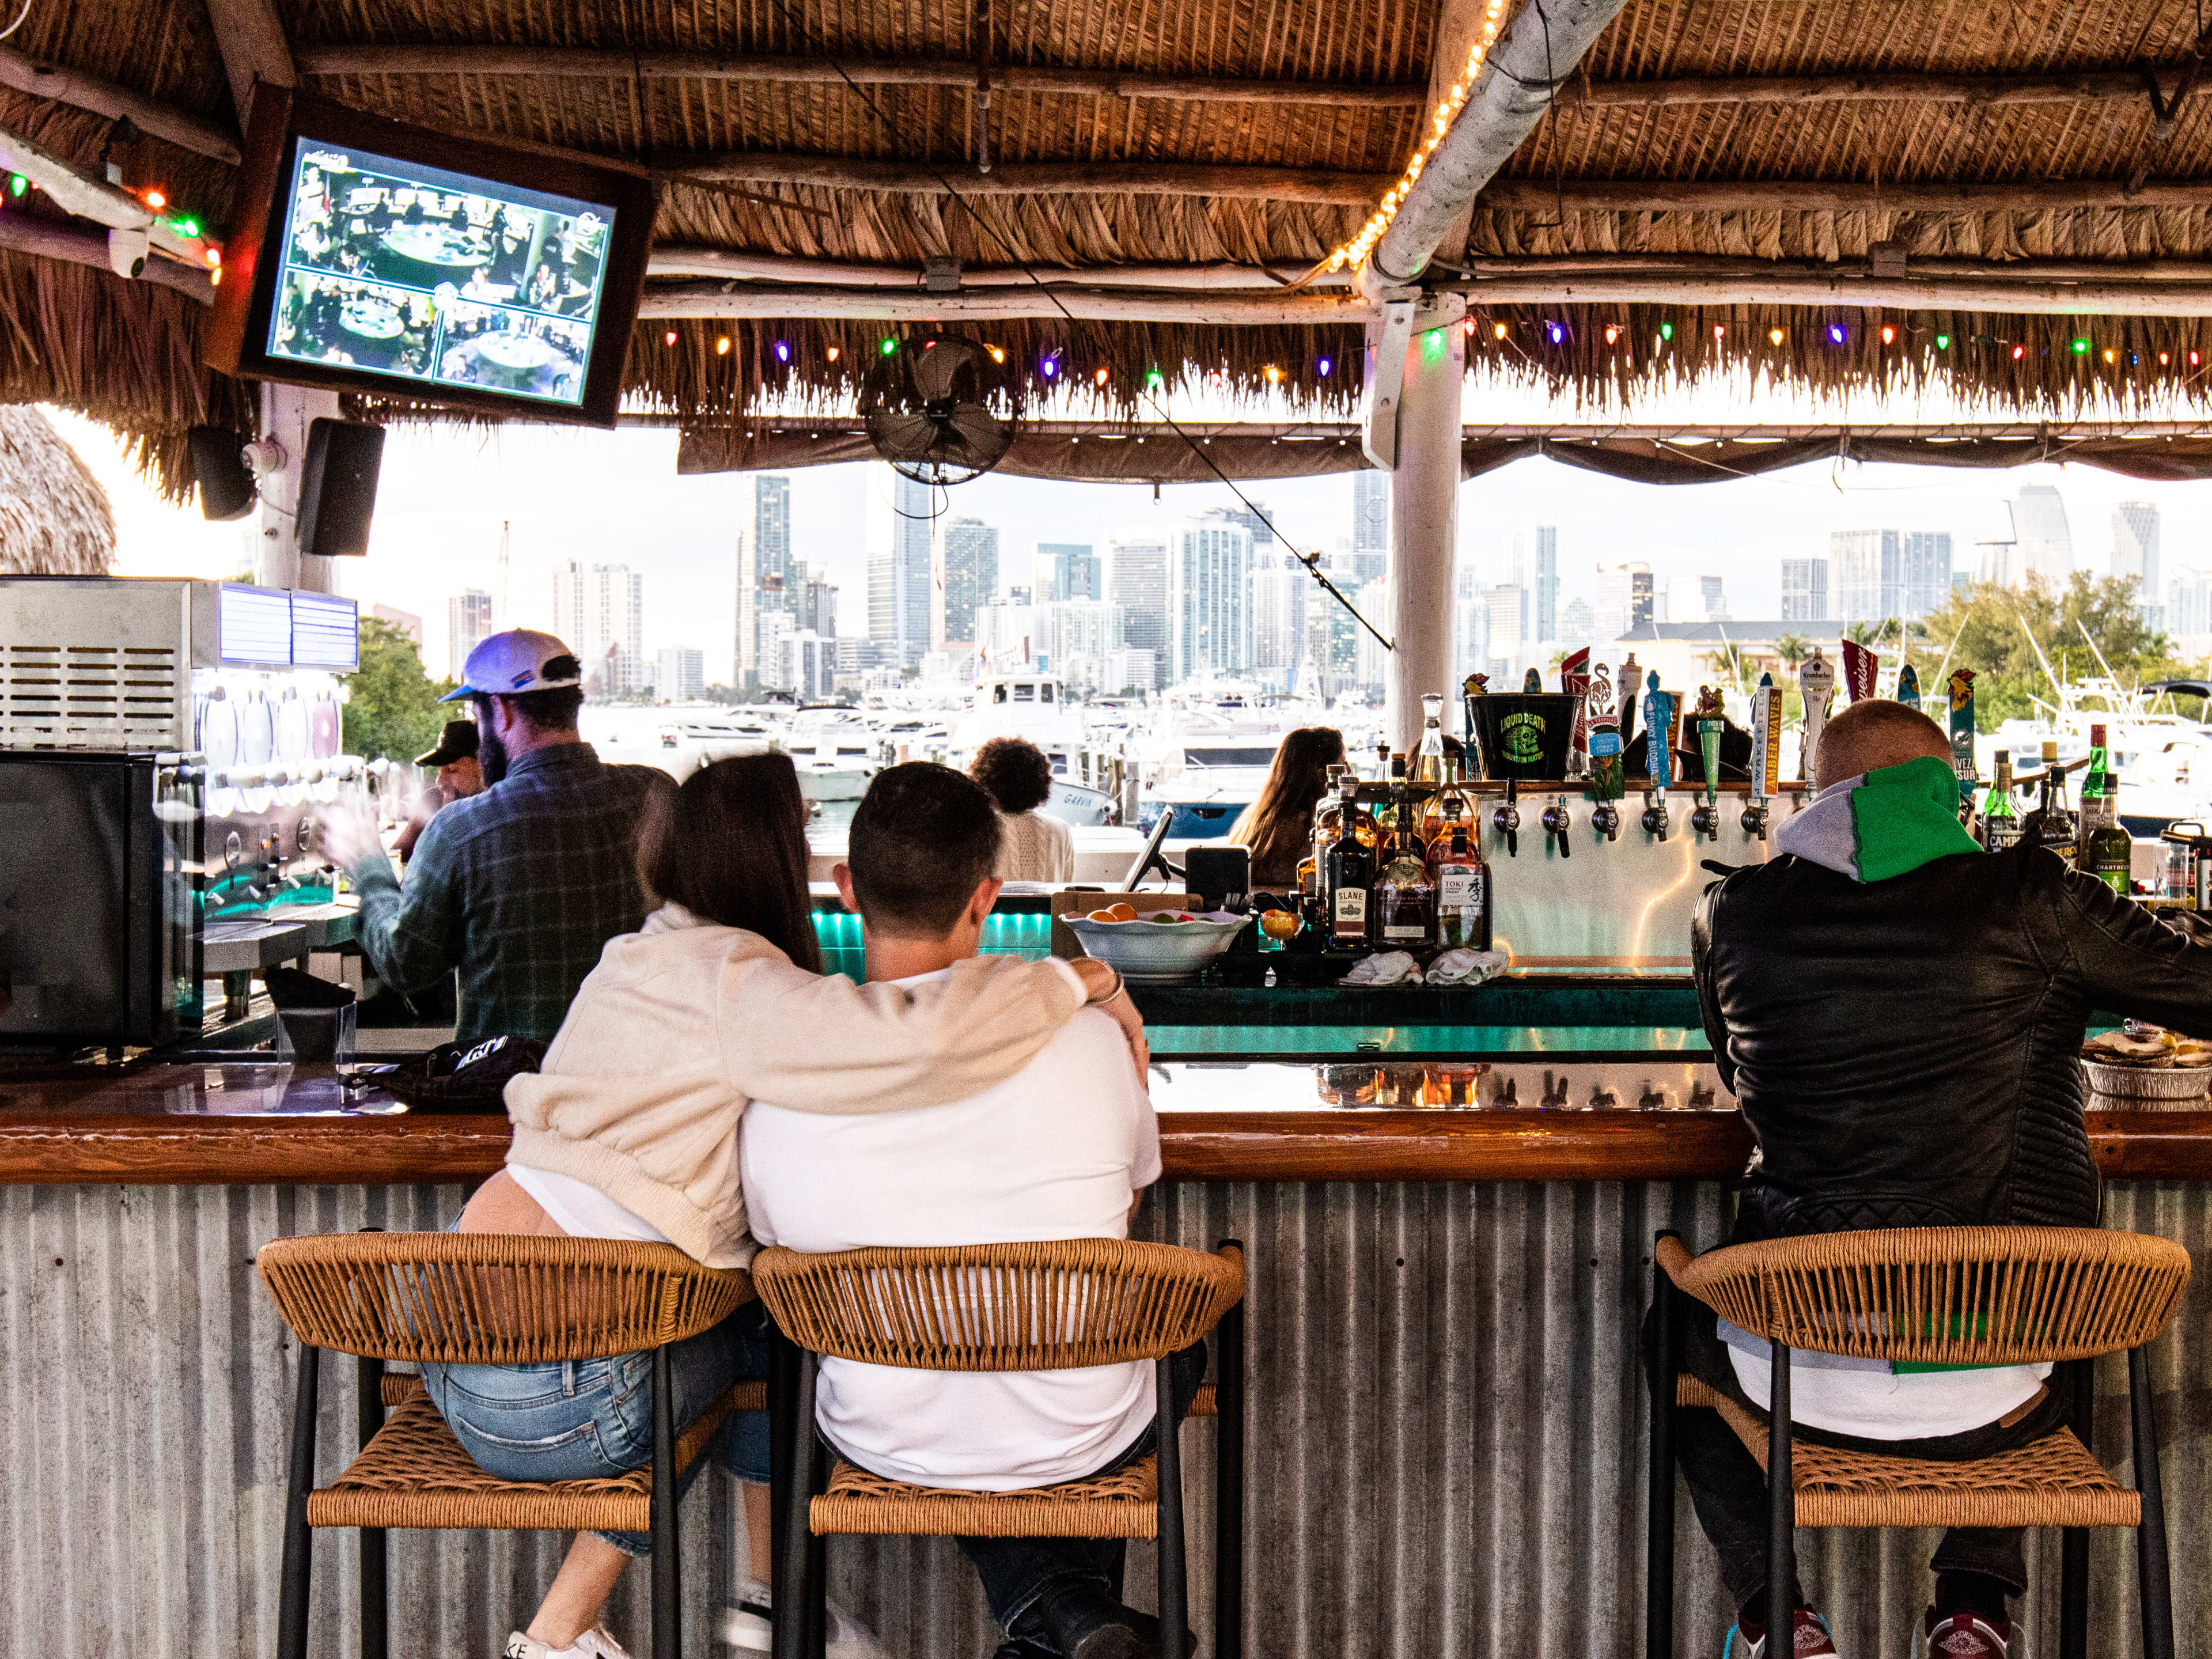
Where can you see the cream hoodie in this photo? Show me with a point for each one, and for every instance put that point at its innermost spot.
(684, 1021)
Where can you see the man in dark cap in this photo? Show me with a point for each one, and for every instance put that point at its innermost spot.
(459, 775)
(521, 886)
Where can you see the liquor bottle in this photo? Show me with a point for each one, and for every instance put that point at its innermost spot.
(1348, 871)
(1450, 806)
(1313, 892)
(1429, 767)
(2000, 824)
(2096, 809)
(2050, 825)
(1382, 762)
(1386, 815)
(1462, 888)
(2108, 850)
(1404, 907)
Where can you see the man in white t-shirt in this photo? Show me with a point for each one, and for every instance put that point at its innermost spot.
(1059, 1151)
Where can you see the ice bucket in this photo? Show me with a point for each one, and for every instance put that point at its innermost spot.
(1522, 734)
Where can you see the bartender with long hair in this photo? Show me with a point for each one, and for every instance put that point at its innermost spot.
(1278, 827)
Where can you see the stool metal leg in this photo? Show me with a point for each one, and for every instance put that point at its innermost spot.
(2151, 1565)
(1229, 1484)
(667, 1590)
(368, 1411)
(791, 1590)
(1174, 1615)
(2078, 1386)
(782, 1386)
(817, 1560)
(1659, 1497)
(299, 1538)
(1780, 1508)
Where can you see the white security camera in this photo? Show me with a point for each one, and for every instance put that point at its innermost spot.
(126, 252)
(263, 457)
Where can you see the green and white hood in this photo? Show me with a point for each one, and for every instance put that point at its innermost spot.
(1884, 822)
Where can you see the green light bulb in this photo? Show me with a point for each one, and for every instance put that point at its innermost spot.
(888, 347)
(2080, 347)
(17, 183)
(1666, 331)
(1942, 343)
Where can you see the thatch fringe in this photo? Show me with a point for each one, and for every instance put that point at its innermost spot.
(55, 519)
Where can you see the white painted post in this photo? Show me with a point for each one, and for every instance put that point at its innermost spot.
(285, 412)
(1425, 519)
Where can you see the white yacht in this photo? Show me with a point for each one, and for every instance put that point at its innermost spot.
(1025, 703)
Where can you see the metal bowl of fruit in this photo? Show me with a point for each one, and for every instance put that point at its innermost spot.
(1160, 947)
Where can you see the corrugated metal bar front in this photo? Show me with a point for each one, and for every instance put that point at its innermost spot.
(1446, 1441)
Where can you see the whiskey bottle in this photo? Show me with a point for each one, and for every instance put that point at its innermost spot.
(1348, 874)
(1463, 889)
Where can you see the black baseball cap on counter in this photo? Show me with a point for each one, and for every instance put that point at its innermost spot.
(458, 743)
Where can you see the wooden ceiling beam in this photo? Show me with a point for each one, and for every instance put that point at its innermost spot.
(2029, 295)
(738, 301)
(1813, 196)
(249, 35)
(2058, 88)
(588, 63)
(1045, 178)
(681, 259)
(88, 92)
(20, 234)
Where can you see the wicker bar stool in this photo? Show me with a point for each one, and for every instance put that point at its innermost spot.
(1007, 1308)
(1945, 1295)
(482, 1298)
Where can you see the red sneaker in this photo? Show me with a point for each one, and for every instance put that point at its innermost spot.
(1963, 1635)
(1809, 1635)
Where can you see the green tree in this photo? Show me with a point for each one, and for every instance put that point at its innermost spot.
(1792, 648)
(1990, 628)
(392, 710)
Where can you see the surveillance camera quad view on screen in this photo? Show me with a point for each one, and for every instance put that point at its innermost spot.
(398, 261)
(421, 274)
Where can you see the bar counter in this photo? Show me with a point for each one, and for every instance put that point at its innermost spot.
(233, 1124)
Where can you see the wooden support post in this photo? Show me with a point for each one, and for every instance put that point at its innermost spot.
(285, 412)
(1425, 519)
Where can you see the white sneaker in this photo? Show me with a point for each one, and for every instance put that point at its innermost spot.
(593, 1643)
(750, 1625)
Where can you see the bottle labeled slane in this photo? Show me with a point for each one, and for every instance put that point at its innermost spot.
(1462, 888)
(1348, 874)
(2000, 820)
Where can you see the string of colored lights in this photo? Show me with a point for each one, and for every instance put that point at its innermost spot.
(156, 199)
(1353, 254)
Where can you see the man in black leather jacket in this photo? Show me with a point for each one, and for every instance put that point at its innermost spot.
(1903, 1046)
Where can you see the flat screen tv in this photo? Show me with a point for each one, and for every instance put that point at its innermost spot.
(371, 256)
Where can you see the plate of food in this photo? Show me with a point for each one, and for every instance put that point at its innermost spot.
(2146, 1063)
(1160, 947)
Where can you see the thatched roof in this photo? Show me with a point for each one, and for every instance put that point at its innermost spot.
(55, 520)
(1888, 147)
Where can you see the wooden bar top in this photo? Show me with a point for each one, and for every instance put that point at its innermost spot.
(254, 1124)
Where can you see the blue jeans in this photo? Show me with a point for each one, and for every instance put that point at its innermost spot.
(591, 1419)
(1021, 1573)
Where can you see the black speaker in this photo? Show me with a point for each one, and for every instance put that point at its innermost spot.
(1221, 876)
(226, 483)
(337, 487)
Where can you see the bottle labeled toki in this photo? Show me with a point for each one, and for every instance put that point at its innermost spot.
(1462, 893)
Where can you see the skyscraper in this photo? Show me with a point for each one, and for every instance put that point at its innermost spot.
(1507, 648)
(1256, 519)
(1712, 603)
(1363, 501)
(1067, 570)
(1536, 568)
(764, 574)
(2134, 557)
(1209, 593)
(1278, 614)
(898, 546)
(2044, 545)
(2189, 603)
(1137, 580)
(965, 579)
(599, 610)
(1927, 572)
(817, 608)
(1804, 589)
(1880, 574)
(1624, 600)
(468, 619)
(682, 676)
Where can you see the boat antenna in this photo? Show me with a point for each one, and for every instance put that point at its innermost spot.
(2040, 658)
(2092, 638)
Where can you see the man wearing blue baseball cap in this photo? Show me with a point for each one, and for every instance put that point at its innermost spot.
(518, 887)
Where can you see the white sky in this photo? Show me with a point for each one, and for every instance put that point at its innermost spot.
(615, 498)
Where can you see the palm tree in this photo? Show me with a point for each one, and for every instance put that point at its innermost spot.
(1792, 648)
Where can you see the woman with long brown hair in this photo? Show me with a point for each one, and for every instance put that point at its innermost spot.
(630, 1130)
(1279, 826)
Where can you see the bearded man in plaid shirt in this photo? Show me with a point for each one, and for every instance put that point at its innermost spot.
(517, 888)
